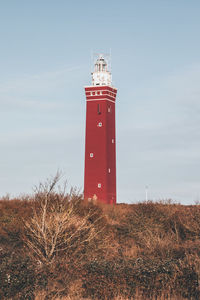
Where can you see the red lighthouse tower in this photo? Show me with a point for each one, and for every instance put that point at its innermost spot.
(100, 149)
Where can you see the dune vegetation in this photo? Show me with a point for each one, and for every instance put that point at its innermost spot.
(54, 245)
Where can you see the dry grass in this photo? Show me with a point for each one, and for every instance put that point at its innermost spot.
(140, 251)
(137, 296)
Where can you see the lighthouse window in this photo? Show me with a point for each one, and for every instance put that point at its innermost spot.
(91, 154)
(99, 185)
(98, 109)
(109, 170)
(113, 141)
(109, 109)
(99, 124)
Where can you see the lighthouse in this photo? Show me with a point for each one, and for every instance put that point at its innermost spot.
(100, 141)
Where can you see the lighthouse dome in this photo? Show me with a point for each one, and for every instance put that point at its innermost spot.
(101, 75)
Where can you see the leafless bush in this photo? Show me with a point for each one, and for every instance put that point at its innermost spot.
(55, 227)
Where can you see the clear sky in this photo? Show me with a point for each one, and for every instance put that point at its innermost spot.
(45, 48)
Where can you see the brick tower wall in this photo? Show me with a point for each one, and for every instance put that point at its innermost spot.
(100, 144)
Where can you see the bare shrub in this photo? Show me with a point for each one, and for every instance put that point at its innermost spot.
(55, 227)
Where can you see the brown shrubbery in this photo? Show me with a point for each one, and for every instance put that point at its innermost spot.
(56, 246)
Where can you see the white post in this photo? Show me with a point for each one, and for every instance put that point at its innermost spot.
(146, 192)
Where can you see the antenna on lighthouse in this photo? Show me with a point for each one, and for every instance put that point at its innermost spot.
(110, 60)
(92, 60)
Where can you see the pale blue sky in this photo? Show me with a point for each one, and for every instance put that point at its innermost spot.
(45, 63)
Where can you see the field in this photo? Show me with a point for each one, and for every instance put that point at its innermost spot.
(54, 245)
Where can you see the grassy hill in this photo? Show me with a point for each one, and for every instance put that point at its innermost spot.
(56, 246)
